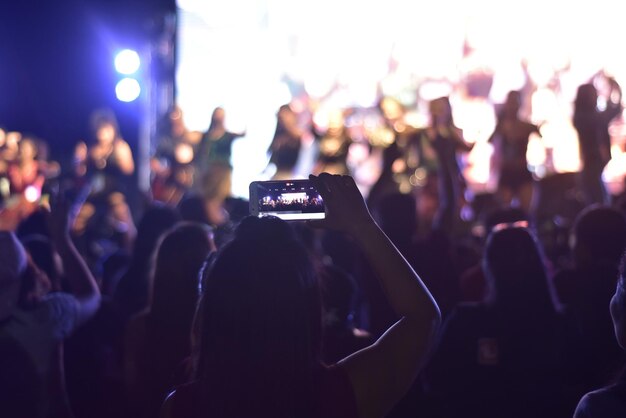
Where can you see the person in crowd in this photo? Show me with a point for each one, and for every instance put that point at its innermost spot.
(598, 240)
(501, 357)
(334, 145)
(399, 152)
(132, 293)
(473, 283)
(284, 149)
(9, 148)
(215, 149)
(510, 142)
(610, 401)
(108, 160)
(108, 166)
(172, 165)
(29, 169)
(213, 168)
(447, 140)
(34, 322)
(437, 148)
(260, 325)
(158, 341)
(594, 139)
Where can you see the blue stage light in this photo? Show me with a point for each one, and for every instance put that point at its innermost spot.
(127, 89)
(127, 62)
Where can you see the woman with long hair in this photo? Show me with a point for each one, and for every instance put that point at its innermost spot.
(158, 341)
(510, 141)
(502, 357)
(438, 146)
(259, 325)
(594, 140)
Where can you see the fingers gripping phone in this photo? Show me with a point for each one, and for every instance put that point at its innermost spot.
(290, 200)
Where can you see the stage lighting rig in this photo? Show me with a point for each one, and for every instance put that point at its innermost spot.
(127, 63)
(127, 89)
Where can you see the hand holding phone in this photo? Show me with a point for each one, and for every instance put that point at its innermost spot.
(345, 207)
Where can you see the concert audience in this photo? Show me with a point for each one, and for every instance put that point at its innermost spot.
(97, 320)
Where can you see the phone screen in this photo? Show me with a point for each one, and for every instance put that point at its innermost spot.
(289, 200)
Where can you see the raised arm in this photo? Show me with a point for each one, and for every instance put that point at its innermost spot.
(382, 373)
(124, 157)
(82, 283)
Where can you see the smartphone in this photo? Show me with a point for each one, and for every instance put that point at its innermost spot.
(290, 200)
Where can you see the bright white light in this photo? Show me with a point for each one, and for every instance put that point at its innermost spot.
(127, 61)
(31, 193)
(127, 89)
(275, 49)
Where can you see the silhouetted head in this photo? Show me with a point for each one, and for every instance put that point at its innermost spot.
(512, 104)
(618, 306)
(155, 221)
(441, 111)
(104, 126)
(586, 99)
(507, 215)
(286, 116)
(599, 237)
(391, 108)
(260, 315)
(176, 284)
(515, 270)
(217, 118)
(28, 148)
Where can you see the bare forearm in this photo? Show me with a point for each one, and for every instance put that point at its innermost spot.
(80, 279)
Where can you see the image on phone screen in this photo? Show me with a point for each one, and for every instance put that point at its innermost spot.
(289, 200)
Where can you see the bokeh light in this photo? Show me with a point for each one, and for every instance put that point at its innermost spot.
(127, 89)
(127, 62)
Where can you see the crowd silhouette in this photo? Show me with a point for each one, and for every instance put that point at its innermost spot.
(396, 304)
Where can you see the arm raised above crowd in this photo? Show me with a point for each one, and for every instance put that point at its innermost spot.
(381, 373)
(82, 283)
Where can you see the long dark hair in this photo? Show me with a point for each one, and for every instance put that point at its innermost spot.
(585, 101)
(260, 323)
(516, 273)
(176, 280)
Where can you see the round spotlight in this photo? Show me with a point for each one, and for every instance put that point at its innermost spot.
(127, 89)
(127, 61)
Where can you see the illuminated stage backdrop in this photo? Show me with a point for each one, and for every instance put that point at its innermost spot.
(251, 56)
